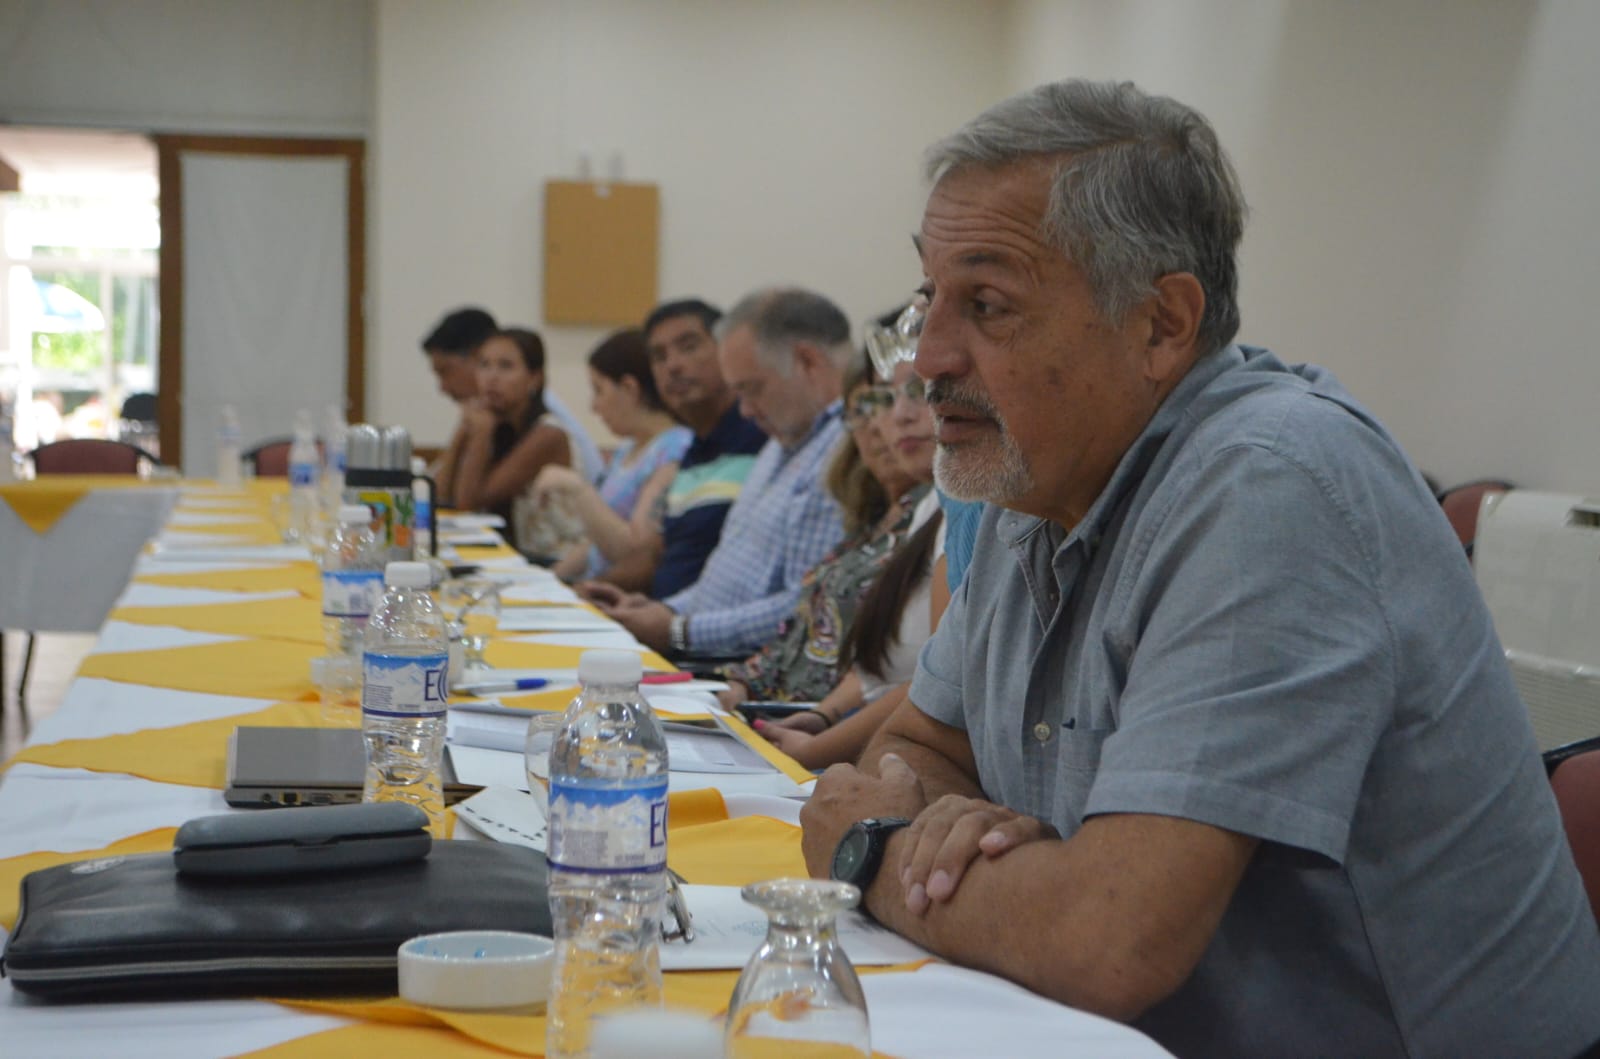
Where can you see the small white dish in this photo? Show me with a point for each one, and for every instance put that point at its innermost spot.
(476, 969)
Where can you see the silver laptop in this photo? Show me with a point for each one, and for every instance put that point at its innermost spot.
(306, 766)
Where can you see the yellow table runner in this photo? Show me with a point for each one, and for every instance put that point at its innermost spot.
(513, 654)
(41, 502)
(278, 670)
(195, 754)
(705, 847)
(302, 577)
(286, 618)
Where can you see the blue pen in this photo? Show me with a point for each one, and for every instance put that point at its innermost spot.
(521, 684)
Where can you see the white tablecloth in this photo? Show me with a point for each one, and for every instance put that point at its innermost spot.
(66, 579)
(939, 1012)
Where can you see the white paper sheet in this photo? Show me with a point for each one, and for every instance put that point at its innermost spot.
(728, 931)
(471, 520)
(505, 815)
(499, 768)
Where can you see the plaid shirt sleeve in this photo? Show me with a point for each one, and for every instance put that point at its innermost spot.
(808, 533)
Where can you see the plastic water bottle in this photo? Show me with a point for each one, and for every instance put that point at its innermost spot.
(352, 580)
(304, 471)
(405, 685)
(333, 462)
(229, 453)
(607, 851)
(421, 509)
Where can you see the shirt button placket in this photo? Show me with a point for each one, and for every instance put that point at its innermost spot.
(1041, 732)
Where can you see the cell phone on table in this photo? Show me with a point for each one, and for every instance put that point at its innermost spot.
(771, 711)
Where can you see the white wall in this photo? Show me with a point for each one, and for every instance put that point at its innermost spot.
(1422, 183)
(1421, 173)
(785, 139)
(296, 67)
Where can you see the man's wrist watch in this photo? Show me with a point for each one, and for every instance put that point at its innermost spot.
(860, 852)
(678, 634)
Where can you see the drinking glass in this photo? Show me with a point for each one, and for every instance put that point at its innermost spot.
(543, 726)
(799, 996)
(476, 603)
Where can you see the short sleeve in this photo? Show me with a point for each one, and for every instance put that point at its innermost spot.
(1259, 658)
(936, 687)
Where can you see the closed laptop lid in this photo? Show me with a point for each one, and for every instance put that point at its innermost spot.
(306, 766)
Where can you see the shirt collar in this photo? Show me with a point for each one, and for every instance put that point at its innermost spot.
(1013, 527)
(819, 424)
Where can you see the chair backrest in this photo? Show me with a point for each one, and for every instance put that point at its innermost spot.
(89, 456)
(270, 458)
(1462, 503)
(1576, 781)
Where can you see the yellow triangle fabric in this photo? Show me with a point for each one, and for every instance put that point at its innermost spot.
(303, 578)
(276, 670)
(41, 502)
(735, 852)
(785, 764)
(195, 755)
(510, 654)
(12, 869)
(287, 618)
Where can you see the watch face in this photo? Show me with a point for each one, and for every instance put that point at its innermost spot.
(851, 855)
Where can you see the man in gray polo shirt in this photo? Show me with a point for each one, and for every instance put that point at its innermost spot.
(1217, 737)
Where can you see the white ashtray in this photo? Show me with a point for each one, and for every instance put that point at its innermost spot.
(476, 969)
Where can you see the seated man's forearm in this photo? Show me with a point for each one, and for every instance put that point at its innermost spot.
(932, 750)
(1111, 921)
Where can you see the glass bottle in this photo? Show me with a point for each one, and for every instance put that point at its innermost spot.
(799, 997)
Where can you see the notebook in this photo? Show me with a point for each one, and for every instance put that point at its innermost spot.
(306, 766)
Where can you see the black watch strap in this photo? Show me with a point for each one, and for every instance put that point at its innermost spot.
(860, 852)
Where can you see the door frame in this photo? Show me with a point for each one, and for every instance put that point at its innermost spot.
(170, 149)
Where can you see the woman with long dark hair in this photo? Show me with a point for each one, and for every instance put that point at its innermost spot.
(507, 437)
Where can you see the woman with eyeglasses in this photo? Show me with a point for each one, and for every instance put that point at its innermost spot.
(895, 617)
(879, 494)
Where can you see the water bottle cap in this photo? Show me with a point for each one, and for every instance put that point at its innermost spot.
(408, 575)
(609, 667)
(353, 513)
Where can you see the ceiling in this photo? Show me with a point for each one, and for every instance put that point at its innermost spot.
(78, 162)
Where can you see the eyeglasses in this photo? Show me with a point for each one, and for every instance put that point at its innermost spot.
(888, 346)
(866, 403)
(913, 389)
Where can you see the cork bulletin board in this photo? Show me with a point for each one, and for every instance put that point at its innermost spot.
(601, 244)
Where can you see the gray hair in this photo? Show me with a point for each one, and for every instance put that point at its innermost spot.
(1142, 189)
(780, 317)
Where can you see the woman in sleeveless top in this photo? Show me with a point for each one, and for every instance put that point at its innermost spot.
(620, 513)
(507, 436)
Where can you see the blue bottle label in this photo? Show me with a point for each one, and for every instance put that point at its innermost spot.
(405, 685)
(603, 829)
(350, 593)
(302, 474)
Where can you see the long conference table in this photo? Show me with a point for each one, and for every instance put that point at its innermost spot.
(217, 627)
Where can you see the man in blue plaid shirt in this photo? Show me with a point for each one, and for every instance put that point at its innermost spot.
(783, 352)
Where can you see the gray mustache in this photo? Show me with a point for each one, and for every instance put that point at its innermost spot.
(968, 399)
